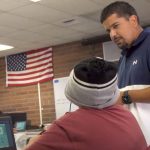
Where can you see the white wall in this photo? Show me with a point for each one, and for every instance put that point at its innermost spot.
(111, 51)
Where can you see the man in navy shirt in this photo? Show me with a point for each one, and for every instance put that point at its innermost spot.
(121, 21)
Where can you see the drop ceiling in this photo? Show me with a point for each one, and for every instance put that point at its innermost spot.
(27, 25)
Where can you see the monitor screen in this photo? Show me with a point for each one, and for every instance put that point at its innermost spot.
(7, 141)
(20, 125)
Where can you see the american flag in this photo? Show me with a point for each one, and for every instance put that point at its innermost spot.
(29, 67)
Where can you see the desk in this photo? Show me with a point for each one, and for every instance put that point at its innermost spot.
(21, 138)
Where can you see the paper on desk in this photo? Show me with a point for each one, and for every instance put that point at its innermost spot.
(143, 110)
(20, 139)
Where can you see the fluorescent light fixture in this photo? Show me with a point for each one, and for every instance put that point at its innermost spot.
(35, 0)
(5, 47)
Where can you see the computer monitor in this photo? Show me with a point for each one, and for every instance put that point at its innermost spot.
(7, 140)
(19, 119)
(20, 125)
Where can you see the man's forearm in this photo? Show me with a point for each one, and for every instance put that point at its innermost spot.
(137, 96)
(142, 96)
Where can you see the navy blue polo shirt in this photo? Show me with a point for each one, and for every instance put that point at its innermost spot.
(134, 64)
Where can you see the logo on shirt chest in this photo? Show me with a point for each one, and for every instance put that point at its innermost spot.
(135, 62)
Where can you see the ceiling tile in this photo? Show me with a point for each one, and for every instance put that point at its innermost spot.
(13, 42)
(54, 31)
(85, 25)
(95, 16)
(6, 30)
(40, 13)
(6, 5)
(17, 22)
(75, 7)
(26, 36)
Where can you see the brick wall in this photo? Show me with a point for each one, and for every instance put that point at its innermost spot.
(25, 99)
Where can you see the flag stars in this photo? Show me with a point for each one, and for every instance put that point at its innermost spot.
(16, 62)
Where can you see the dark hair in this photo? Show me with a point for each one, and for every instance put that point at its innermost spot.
(121, 8)
(95, 71)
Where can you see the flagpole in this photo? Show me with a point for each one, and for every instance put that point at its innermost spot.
(40, 105)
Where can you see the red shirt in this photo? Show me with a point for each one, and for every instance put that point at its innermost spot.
(112, 128)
